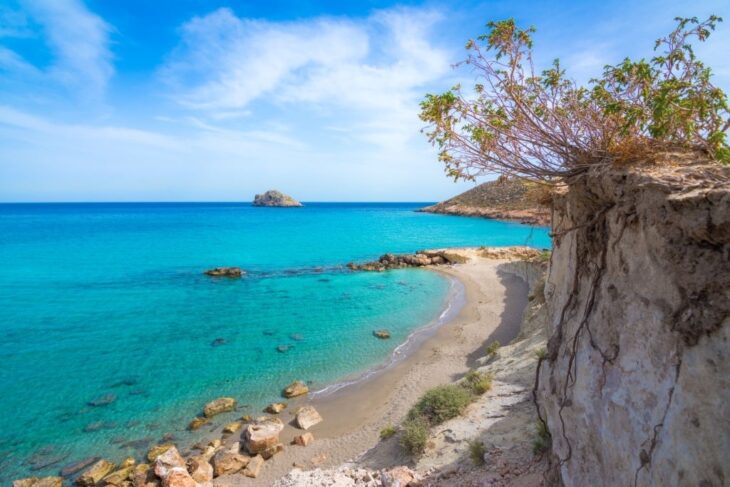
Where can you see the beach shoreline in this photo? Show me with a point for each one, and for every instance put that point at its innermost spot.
(355, 414)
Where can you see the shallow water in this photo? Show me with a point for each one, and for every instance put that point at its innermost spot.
(107, 303)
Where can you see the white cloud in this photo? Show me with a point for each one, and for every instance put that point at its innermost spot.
(78, 39)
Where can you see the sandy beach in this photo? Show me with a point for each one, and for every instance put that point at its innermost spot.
(354, 415)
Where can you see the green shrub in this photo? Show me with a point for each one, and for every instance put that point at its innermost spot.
(441, 403)
(388, 432)
(492, 348)
(478, 382)
(541, 353)
(477, 451)
(415, 435)
(542, 440)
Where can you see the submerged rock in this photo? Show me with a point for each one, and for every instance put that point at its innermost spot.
(104, 400)
(307, 417)
(218, 406)
(296, 337)
(382, 334)
(296, 388)
(197, 422)
(283, 348)
(76, 467)
(225, 272)
(275, 198)
(218, 342)
(39, 482)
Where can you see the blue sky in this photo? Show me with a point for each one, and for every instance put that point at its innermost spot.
(193, 100)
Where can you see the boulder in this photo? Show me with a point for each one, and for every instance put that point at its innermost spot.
(197, 422)
(95, 473)
(254, 467)
(232, 427)
(307, 417)
(225, 272)
(271, 451)
(303, 440)
(118, 476)
(276, 407)
(275, 198)
(144, 476)
(226, 461)
(262, 434)
(179, 478)
(167, 461)
(158, 450)
(218, 406)
(39, 482)
(128, 462)
(382, 334)
(200, 468)
(296, 388)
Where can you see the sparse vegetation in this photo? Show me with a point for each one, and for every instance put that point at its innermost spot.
(477, 451)
(478, 382)
(542, 440)
(544, 256)
(544, 127)
(492, 348)
(388, 432)
(541, 354)
(441, 403)
(415, 435)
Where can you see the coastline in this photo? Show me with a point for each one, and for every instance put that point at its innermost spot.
(354, 413)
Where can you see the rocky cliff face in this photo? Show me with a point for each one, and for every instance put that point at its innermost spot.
(635, 387)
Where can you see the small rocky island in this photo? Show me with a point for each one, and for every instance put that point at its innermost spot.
(275, 198)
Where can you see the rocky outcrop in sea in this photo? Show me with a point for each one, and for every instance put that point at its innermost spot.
(275, 198)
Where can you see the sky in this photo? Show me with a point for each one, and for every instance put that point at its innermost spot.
(192, 100)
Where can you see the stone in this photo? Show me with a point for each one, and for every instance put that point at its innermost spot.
(226, 462)
(75, 467)
(382, 334)
(128, 462)
(246, 418)
(179, 478)
(276, 407)
(262, 434)
(158, 450)
(218, 406)
(167, 461)
(215, 443)
(296, 388)
(273, 450)
(254, 467)
(275, 198)
(144, 476)
(318, 459)
(398, 477)
(283, 348)
(303, 440)
(200, 468)
(232, 427)
(197, 422)
(307, 417)
(39, 482)
(118, 476)
(95, 473)
(225, 272)
(104, 400)
(218, 342)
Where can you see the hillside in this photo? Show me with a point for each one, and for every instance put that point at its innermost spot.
(504, 199)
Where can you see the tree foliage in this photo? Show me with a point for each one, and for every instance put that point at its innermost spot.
(543, 125)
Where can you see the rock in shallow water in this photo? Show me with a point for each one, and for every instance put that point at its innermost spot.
(104, 400)
(296, 388)
(75, 467)
(225, 272)
(95, 473)
(218, 406)
(382, 334)
(39, 482)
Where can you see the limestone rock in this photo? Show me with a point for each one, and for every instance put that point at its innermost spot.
(261, 435)
(218, 406)
(197, 422)
(254, 467)
(275, 198)
(167, 461)
(398, 477)
(276, 407)
(200, 468)
(95, 473)
(382, 334)
(75, 467)
(225, 272)
(179, 477)
(307, 417)
(296, 388)
(118, 476)
(158, 450)
(232, 427)
(144, 476)
(303, 440)
(226, 461)
(272, 450)
(39, 482)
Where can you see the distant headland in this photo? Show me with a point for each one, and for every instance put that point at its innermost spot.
(275, 198)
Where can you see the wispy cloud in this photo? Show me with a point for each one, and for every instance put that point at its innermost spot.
(77, 38)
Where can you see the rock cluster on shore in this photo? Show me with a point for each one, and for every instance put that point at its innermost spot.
(275, 198)
(419, 259)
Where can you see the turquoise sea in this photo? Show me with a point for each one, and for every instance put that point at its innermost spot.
(108, 303)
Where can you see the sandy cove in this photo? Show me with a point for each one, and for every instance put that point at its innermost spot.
(353, 416)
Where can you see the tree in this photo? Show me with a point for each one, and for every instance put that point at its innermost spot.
(543, 126)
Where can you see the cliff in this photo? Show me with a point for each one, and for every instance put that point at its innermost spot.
(503, 199)
(635, 387)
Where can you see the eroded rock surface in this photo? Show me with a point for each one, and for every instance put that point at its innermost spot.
(275, 198)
